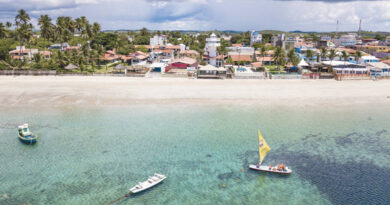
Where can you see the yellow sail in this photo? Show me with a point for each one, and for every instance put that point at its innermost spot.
(263, 148)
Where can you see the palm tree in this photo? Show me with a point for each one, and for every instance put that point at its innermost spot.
(323, 53)
(84, 22)
(358, 55)
(291, 55)
(309, 55)
(70, 25)
(279, 57)
(45, 22)
(96, 28)
(332, 54)
(21, 21)
(345, 56)
(3, 30)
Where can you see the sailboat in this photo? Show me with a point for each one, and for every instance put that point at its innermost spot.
(263, 150)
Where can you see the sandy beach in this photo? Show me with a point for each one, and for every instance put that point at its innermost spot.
(95, 91)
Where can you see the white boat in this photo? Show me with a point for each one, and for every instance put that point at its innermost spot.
(152, 181)
(263, 150)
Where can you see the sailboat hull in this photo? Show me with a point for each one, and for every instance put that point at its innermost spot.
(268, 169)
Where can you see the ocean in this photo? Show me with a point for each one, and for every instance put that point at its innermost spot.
(338, 154)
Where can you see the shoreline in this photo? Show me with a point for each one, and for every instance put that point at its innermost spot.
(57, 91)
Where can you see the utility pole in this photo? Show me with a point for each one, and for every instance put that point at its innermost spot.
(360, 28)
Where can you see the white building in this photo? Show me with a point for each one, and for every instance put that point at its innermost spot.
(211, 46)
(21, 53)
(241, 51)
(256, 37)
(346, 40)
(158, 40)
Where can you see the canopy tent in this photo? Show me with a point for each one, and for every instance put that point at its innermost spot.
(303, 64)
(71, 67)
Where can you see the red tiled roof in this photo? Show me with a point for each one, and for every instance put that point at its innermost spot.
(247, 58)
(257, 64)
(266, 58)
(237, 45)
(45, 53)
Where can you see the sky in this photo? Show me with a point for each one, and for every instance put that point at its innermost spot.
(239, 15)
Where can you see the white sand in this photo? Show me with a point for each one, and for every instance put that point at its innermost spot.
(91, 91)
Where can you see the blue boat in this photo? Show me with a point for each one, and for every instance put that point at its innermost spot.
(25, 135)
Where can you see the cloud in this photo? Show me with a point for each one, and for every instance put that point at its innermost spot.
(308, 15)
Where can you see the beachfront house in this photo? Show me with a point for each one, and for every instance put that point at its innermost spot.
(109, 57)
(368, 59)
(241, 59)
(379, 69)
(189, 54)
(209, 71)
(347, 70)
(21, 53)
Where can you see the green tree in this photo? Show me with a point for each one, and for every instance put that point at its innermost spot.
(323, 53)
(358, 55)
(45, 22)
(22, 21)
(279, 57)
(309, 55)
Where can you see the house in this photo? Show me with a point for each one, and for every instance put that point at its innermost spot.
(72, 48)
(59, 46)
(211, 53)
(368, 59)
(241, 51)
(22, 53)
(218, 60)
(45, 54)
(346, 40)
(277, 40)
(347, 70)
(209, 71)
(189, 53)
(109, 57)
(182, 63)
(379, 69)
(241, 59)
(266, 60)
(135, 57)
(164, 53)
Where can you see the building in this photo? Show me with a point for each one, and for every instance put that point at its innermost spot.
(158, 40)
(189, 53)
(347, 70)
(109, 57)
(241, 51)
(209, 71)
(211, 46)
(277, 40)
(379, 69)
(346, 40)
(59, 46)
(241, 59)
(368, 59)
(182, 63)
(256, 37)
(21, 53)
(289, 43)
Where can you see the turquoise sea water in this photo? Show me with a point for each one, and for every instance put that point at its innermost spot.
(339, 155)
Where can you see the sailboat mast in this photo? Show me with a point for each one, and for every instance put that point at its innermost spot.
(258, 145)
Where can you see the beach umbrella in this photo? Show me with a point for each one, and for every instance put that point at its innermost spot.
(71, 67)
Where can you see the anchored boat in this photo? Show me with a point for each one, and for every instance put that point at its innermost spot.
(152, 181)
(263, 150)
(25, 135)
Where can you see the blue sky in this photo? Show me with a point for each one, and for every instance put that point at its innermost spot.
(286, 15)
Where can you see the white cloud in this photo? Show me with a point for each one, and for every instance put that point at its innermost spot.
(212, 14)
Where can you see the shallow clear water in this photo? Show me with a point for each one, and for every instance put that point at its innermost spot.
(339, 155)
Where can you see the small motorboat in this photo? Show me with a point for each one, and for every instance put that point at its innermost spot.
(152, 181)
(25, 135)
(280, 169)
